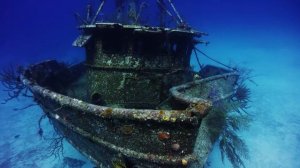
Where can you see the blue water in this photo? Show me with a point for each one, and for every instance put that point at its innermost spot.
(261, 35)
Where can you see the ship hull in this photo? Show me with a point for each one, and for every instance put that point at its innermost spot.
(113, 137)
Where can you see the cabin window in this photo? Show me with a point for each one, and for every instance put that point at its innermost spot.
(149, 45)
(90, 51)
(178, 48)
(165, 48)
(111, 45)
(174, 48)
(114, 42)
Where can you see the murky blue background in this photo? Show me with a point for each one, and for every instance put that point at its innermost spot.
(262, 35)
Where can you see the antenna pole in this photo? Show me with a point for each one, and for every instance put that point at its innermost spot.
(131, 13)
(98, 11)
(161, 4)
(142, 6)
(89, 12)
(176, 12)
(161, 13)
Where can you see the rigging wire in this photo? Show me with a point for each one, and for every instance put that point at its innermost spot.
(197, 58)
(162, 5)
(214, 60)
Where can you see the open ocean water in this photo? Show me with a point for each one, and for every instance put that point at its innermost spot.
(261, 35)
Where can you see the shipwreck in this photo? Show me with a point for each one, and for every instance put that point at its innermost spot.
(135, 101)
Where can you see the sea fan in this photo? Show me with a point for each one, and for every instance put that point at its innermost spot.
(10, 79)
(224, 123)
(233, 148)
(231, 145)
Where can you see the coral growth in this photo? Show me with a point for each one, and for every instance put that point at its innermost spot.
(175, 146)
(242, 93)
(127, 129)
(200, 109)
(56, 141)
(224, 123)
(10, 79)
(56, 146)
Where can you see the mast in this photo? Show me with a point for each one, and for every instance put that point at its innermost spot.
(162, 11)
(132, 13)
(98, 11)
(89, 12)
(142, 6)
(120, 5)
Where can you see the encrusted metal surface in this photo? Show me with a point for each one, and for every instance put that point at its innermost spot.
(100, 111)
(140, 28)
(134, 66)
(178, 92)
(146, 137)
(112, 150)
(164, 137)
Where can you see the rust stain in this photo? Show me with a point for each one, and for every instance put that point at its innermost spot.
(107, 113)
(163, 136)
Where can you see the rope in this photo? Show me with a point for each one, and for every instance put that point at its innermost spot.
(216, 61)
(200, 65)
